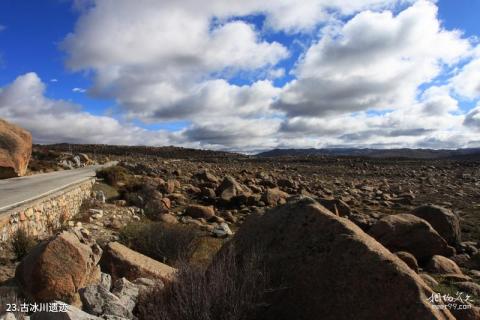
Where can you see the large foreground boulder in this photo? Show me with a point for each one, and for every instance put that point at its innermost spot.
(120, 261)
(443, 220)
(56, 269)
(406, 232)
(15, 150)
(322, 266)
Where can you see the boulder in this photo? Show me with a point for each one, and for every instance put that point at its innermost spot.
(274, 196)
(443, 220)
(199, 211)
(169, 186)
(168, 218)
(120, 261)
(406, 232)
(99, 301)
(15, 150)
(440, 264)
(206, 176)
(337, 206)
(56, 269)
(325, 267)
(127, 292)
(230, 188)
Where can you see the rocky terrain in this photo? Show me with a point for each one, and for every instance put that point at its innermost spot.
(317, 237)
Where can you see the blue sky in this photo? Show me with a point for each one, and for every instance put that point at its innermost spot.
(32, 33)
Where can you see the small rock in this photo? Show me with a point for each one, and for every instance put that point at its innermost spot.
(222, 230)
(106, 281)
(127, 292)
(199, 211)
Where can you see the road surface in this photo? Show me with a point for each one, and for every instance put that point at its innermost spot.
(17, 191)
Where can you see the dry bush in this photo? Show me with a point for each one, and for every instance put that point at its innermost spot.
(229, 289)
(167, 243)
(113, 175)
(22, 243)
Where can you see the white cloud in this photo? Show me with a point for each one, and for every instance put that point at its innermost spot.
(361, 82)
(23, 102)
(78, 90)
(163, 60)
(2, 27)
(373, 61)
(53, 80)
(467, 81)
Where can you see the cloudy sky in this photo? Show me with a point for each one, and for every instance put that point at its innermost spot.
(244, 75)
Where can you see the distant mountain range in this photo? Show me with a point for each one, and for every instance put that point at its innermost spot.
(465, 154)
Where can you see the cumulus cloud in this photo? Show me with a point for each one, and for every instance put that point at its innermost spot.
(51, 121)
(434, 118)
(367, 77)
(164, 60)
(235, 134)
(467, 82)
(374, 61)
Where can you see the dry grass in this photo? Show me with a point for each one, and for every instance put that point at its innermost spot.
(229, 289)
(163, 242)
(22, 243)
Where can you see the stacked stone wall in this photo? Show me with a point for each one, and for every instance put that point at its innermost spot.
(43, 215)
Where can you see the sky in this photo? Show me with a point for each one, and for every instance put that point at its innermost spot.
(245, 75)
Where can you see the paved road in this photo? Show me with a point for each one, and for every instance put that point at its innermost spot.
(16, 191)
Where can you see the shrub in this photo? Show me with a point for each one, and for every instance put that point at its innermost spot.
(22, 243)
(167, 243)
(113, 175)
(227, 290)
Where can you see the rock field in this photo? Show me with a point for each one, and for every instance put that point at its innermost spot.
(340, 237)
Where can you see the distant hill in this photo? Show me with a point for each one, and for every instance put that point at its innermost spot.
(464, 154)
(167, 152)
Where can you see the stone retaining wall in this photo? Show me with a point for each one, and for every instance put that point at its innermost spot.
(43, 215)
